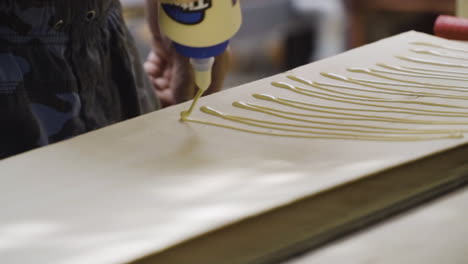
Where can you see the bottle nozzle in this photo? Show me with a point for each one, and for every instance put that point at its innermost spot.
(202, 69)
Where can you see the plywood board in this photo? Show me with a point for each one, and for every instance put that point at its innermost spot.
(141, 186)
(280, 234)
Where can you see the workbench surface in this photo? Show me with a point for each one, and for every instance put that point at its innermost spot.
(142, 186)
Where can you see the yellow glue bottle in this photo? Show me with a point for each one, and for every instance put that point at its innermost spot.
(200, 30)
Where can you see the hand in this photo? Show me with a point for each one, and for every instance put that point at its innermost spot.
(170, 73)
(172, 76)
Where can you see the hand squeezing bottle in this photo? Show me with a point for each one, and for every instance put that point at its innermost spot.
(200, 30)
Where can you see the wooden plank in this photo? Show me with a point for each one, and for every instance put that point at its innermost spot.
(142, 186)
(285, 232)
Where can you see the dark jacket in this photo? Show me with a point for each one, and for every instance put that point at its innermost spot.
(66, 67)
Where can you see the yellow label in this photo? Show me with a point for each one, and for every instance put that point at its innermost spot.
(201, 23)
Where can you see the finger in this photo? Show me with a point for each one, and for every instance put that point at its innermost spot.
(152, 69)
(157, 57)
(152, 57)
(167, 74)
(161, 84)
(166, 97)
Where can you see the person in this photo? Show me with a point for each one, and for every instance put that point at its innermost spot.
(70, 67)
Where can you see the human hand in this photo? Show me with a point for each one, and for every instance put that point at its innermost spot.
(172, 76)
(169, 73)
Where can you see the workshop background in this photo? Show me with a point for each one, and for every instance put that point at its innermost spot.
(278, 35)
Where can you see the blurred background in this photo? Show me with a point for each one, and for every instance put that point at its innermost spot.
(278, 35)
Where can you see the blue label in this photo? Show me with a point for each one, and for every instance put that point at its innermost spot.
(201, 53)
(189, 14)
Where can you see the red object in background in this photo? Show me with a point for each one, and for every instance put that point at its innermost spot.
(451, 27)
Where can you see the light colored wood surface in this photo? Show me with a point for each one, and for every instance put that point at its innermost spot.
(305, 224)
(143, 185)
(433, 234)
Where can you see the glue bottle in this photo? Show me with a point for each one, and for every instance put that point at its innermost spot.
(200, 30)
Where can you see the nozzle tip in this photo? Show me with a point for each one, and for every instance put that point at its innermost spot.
(184, 115)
